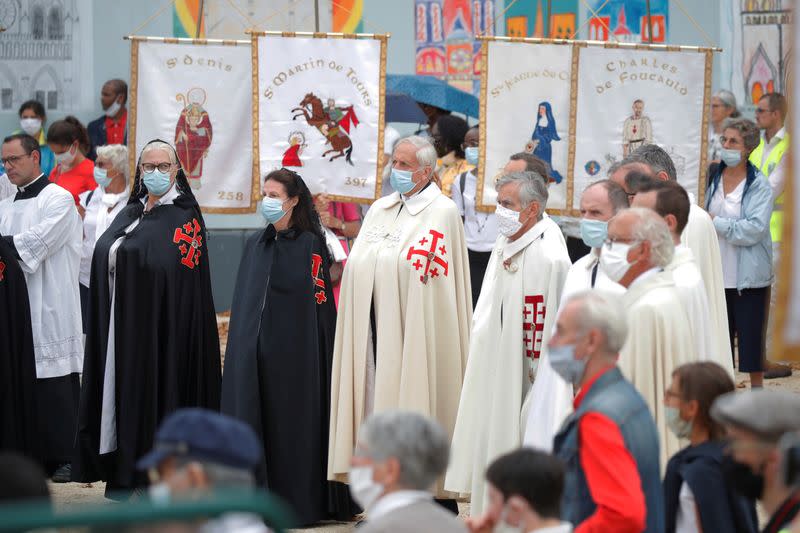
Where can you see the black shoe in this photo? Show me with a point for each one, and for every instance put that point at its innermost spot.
(63, 474)
(775, 371)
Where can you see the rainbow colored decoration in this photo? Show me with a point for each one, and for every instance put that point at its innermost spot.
(347, 16)
(184, 19)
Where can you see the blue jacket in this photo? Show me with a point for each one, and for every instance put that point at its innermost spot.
(750, 232)
(615, 398)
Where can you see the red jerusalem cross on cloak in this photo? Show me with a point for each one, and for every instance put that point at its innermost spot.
(319, 283)
(431, 257)
(533, 314)
(2, 269)
(190, 241)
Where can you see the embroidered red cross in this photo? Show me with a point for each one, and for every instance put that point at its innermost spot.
(533, 314)
(190, 240)
(430, 256)
(2, 269)
(316, 274)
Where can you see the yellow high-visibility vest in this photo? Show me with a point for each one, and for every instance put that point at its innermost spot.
(766, 167)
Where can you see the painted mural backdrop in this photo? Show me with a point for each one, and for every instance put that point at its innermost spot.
(445, 33)
(529, 18)
(626, 20)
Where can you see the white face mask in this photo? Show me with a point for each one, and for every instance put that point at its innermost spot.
(507, 221)
(31, 126)
(67, 157)
(159, 494)
(363, 488)
(614, 261)
(113, 109)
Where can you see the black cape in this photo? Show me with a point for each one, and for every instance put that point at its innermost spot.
(17, 360)
(167, 346)
(278, 367)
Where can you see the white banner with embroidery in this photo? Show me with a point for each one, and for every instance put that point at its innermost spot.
(525, 108)
(628, 98)
(320, 111)
(199, 98)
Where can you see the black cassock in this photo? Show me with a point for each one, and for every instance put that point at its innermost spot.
(166, 341)
(17, 361)
(278, 367)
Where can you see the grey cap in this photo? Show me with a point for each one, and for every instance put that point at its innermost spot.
(767, 413)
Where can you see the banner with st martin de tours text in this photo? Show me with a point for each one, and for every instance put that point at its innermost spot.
(197, 95)
(320, 110)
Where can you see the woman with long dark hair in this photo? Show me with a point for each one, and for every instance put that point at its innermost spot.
(152, 345)
(280, 349)
(69, 142)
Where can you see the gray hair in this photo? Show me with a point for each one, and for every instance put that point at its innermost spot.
(532, 188)
(652, 228)
(654, 157)
(221, 476)
(602, 310)
(117, 155)
(750, 133)
(161, 145)
(728, 99)
(418, 443)
(426, 153)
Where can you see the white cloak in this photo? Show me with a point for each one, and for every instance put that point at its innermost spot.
(701, 236)
(579, 278)
(513, 320)
(692, 291)
(47, 235)
(659, 340)
(410, 261)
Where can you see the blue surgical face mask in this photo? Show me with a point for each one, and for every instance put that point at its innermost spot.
(562, 359)
(680, 427)
(157, 182)
(272, 209)
(101, 177)
(401, 180)
(471, 155)
(731, 157)
(594, 232)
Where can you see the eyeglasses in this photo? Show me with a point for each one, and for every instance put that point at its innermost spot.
(13, 159)
(730, 140)
(608, 244)
(162, 167)
(760, 110)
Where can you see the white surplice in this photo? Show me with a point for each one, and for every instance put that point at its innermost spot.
(659, 340)
(692, 290)
(579, 278)
(6, 187)
(409, 267)
(701, 237)
(47, 235)
(507, 361)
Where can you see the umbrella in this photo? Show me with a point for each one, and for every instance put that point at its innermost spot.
(402, 108)
(435, 92)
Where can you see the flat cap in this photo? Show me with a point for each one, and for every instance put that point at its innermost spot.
(201, 434)
(767, 413)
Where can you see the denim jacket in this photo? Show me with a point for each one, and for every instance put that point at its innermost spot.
(750, 232)
(614, 397)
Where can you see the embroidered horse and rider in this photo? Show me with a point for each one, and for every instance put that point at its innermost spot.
(332, 122)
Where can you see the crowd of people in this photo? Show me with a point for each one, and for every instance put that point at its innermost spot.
(421, 353)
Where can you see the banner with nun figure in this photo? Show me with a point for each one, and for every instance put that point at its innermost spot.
(525, 107)
(319, 103)
(197, 95)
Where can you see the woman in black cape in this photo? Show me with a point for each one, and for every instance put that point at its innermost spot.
(280, 348)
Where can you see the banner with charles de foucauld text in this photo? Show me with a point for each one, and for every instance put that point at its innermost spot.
(197, 95)
(319, 105)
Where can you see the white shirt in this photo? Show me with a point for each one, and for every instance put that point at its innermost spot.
(686, 521)
(6, 187)
(397, 500)
(96, 220)
(480, 229)
(729, 206)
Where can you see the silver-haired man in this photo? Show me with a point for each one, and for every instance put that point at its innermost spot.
(398, 457)
(405, 308)
(507, 359)
(638, 248)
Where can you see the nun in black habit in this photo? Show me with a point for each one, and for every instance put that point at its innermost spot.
(280, 348)
(152, 345)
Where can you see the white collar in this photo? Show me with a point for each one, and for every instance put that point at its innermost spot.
(22, 189)
(396, 500)
(594, 253)
(644, 276)
(779, 135)
(683, 255)
(167, 198)
(512, 248)
(415, 204)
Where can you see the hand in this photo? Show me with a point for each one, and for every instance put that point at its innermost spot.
(81, 210)
(480, 524)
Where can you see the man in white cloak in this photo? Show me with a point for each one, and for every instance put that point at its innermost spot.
(671, 202)
(699, 235)
(42, 225)
(660, 339)
(599, 202)
(405, 308)
(507, 361)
